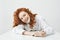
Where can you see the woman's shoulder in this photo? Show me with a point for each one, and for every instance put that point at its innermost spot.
(38, 16)
(19, 26)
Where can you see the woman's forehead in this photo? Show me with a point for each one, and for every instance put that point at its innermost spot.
(22, 13)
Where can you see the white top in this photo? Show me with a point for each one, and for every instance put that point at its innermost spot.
(40, 25)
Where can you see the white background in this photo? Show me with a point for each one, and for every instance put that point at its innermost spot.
(50, 9)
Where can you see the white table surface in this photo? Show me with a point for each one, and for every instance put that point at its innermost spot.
(13, 36)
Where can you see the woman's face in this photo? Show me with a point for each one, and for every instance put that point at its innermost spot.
(24, 17)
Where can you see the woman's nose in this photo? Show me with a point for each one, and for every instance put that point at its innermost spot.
(25, 18)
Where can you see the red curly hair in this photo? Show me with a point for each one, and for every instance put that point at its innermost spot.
(17, 20)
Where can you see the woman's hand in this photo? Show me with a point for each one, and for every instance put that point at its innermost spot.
(28, 33)
(39, 34)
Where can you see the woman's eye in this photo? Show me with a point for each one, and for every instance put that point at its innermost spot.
(21, 18)
(23, 15)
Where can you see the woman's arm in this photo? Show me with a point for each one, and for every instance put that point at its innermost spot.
(35, 33)
(39, 34)
(28, 33)
(45, 27)
(19, 30)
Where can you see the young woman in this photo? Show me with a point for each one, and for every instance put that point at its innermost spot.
(26, 23)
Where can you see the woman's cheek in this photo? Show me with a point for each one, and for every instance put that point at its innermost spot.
(24, 20)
